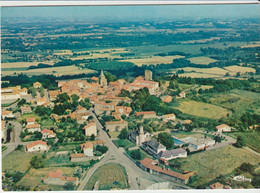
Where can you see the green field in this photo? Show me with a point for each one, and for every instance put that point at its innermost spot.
(202, 109)
(240, 101)
(251, 138)
(68, 146)
(17, 161)
(202, 60)
(210, 164)
(106, 176)
(34, 177)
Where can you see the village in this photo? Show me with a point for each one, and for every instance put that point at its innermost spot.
(96, 112)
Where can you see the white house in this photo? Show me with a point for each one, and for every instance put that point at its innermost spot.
(37, 146)
(169, 117)
(8, 115)
(33, 128)
(90, 129)
(30, 121)
(223, 128)
(46, 133)
(153, 147)
(87, 148)
(173, 154)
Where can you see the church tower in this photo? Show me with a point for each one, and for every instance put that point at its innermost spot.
(141, 135)
(102, 79)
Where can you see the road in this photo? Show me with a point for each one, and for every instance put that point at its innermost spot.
(116, 155)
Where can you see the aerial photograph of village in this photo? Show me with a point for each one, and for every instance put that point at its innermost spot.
(144, 97)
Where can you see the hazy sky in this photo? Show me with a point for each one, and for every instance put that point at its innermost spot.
(135, 12)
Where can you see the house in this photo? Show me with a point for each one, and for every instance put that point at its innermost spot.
(173, 154)
(123, 110)
(90, 129)
(146, 114)
(37, 85)
(152, 166)
(166, 99)
(138, 137)
(116, 125)
(46, 134)
(26, 109)
(31, 128)
(57, 178)
(37, 146)
(13, 92)
(140, 84)
(200, 144)
(76, 157)
(87, 148)
(53, 94)
(153, 147)
(169, 117)
(30, 121)
(101, 106)
(41, 101)
(182, 95)
(95, 79)
(223, 128)
(7, 115)
(216, 185)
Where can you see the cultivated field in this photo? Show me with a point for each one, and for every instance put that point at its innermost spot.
(202, 109)
(213, 71)
(23, 64)
(204, 87)
(57, 71)
(154, 60)
(95, 56)
(210, 164)
(199, 75)
(239, 101)
(202, 60)
(35, 176)
(108, 176)
(17, 161)
(242, 70)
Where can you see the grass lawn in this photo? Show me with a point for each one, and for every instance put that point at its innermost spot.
(114, 134)
(125, 143)
(47, 123)
(68, 146)
(201, 109)
(17, 161)
(4, 148)
(210, 164)
(106, 175)
(251, 138)
(29, 115)
(35, 176)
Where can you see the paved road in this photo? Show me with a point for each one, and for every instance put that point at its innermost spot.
(115, 155)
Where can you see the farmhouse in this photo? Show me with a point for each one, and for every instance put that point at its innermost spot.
(46, 134)
(153, 147)
(87, 148)
(152, 167)
(30, 121)
(33, 128)
(116, 125)
(146, 114)
(139, 137)
(37, 146)
(90, 129)
(173, 154)
(13, 92)
(57, 178)
(223, 128)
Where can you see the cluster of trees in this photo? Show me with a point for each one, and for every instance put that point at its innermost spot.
(166, 139)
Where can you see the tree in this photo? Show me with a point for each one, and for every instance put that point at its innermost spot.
(123, 134)
(19, 147)
(240, 142)
(166, 139)
(37, 162)
(136, 154)
(69, 186)
(42, 92)
(92, 137)
(256, 181)
(217, 139)
(21, 102)
(102, 148)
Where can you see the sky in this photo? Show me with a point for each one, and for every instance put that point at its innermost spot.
(135, 12)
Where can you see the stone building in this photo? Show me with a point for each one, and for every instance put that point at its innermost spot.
(102, 79)
(148, 75)
(138, 137)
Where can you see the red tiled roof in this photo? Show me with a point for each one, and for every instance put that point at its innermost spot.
(89, 125)
(39, 142)
(77, 155)
(56, 174)
(33, 126)
(87, 145)
(30, 120)
(6, 112)
(216, 185)
(221, 126)
(169, 115)
(145, 113)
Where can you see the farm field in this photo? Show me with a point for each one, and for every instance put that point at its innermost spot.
(154, 60)
(17, 161)
(95, 56)
(242, 70)
(23, 64)
(108, 176)
(34, 177)
(204, 87)
(238, 100)
(199, 75)
(202, 109)
(213, 71)
(202, 60)
(56, 71)
(206, 164)
(251, 138)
